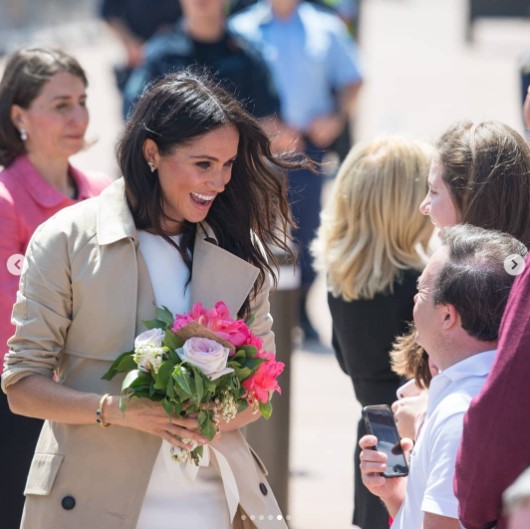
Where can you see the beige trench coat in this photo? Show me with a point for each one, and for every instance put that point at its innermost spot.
(83, 294)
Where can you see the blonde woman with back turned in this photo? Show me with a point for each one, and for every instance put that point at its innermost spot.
(371, 244)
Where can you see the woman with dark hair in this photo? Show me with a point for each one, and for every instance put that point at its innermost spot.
(480, 176)
(43, 120)
(201, 198)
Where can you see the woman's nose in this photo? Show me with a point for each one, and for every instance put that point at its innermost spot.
(425, 206)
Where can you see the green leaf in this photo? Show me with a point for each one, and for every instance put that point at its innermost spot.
(242, 372)
(172, 341)
(174, 357)
(199, 386)
(250, 350)
(154, 324)
(170, 388)
(124, 362)
(164, 375)
(265, 409)
(206, 424)
(240, 353)
(182, 377)
(254, 363)
(130, 379)
(168, 407)
(165, 315)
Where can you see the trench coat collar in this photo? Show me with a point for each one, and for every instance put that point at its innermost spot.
(217, 275)
(114, 218)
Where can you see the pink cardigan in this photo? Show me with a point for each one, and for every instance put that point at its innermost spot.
(27, 200)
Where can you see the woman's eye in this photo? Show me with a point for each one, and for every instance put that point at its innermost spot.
(203, 165)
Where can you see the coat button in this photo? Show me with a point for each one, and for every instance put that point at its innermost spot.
(263, 489)
(68, 503)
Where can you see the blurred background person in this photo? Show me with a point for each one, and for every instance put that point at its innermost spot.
(202, 38)
(316, 70)
(372, 245)
(134, 22)
(43, 120)
(348, 10)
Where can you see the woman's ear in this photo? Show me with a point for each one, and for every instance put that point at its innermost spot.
(150, 151)
(17, 116)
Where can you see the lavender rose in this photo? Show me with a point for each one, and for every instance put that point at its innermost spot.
(208, 355)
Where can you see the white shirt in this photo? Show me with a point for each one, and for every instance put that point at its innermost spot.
(432, 465)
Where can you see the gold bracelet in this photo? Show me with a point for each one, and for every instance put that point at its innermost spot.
(100, 419)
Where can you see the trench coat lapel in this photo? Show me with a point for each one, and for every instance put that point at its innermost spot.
(218, 275)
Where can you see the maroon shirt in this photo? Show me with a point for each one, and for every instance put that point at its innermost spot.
(495, 446)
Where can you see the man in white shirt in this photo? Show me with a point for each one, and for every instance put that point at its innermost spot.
(461, 297)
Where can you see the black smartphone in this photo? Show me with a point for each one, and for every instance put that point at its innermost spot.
(379, 421)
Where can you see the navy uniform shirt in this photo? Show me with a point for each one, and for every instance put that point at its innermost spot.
(234, 62)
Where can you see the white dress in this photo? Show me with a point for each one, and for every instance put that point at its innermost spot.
(171, 500)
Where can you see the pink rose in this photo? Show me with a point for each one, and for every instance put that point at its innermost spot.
(263, 382)
(197, 314)
(254, 340)
(208, 355)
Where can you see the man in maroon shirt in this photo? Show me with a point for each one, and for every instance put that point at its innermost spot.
(495, 446)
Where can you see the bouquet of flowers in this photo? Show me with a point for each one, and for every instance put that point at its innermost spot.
(202, 363)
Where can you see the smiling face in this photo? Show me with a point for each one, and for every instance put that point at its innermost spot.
(437, 204)
(56, 120)
(194, 174)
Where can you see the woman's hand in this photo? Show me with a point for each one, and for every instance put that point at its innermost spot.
(373, 463)
(150, 417)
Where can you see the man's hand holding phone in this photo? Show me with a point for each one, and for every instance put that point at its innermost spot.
(373, 464)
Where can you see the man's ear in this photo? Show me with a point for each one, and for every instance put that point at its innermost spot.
(450, 316)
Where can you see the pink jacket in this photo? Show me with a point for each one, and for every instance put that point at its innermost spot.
(27, 200)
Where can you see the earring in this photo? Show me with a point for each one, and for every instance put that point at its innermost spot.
(23, 134)
(152, 166)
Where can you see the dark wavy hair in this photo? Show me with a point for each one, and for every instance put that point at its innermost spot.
(26, 72)
(183, 106)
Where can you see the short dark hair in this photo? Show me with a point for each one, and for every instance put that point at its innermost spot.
(179, 108)
(474, 279)
(486, 167)
(26, 72)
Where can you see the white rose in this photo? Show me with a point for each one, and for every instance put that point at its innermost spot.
(152, 337)
(208, 355)
(148, 352)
